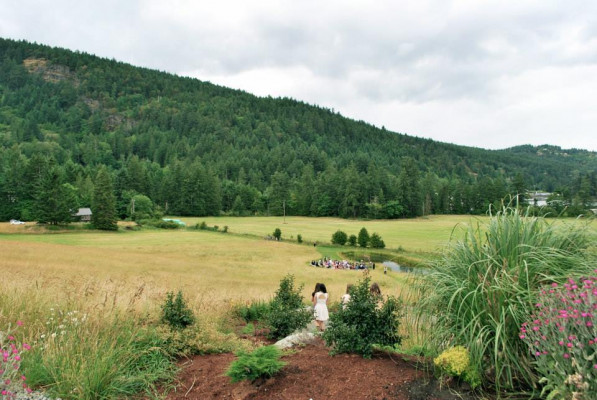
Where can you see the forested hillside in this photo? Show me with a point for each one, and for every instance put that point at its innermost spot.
(195, 148)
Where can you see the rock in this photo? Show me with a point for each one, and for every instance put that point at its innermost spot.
(305, 336)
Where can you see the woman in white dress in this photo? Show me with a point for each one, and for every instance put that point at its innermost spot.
(346, 296)
(320, 305)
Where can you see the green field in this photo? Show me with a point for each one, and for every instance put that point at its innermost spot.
(426, 234)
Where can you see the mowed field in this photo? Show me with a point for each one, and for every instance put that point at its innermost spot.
(134, 269)
(426, 234)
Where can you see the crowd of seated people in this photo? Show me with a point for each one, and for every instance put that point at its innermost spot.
(343, 264)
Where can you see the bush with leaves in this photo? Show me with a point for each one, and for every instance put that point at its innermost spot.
(352, 240)
(366, 320)
(277, 234)
(339, 238)
(376, 241)
(287, 312)
(175, 312)
(562, 338)
(263, 362)
(455, 362)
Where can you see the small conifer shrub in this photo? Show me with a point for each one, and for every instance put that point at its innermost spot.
(263, 362)
(176, 313)
(287, 312)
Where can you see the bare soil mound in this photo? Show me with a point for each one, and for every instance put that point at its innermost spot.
(312, 373)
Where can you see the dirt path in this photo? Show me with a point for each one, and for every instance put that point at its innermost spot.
(311, 373)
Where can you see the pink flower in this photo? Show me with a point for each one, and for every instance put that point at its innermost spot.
(561, 342)
(566, 355)
(19, 323)
(26, 346)
(570, 345)
(522, 336)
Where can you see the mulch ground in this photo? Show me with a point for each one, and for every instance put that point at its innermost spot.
(311, 373)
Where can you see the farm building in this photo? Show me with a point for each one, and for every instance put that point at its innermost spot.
(83, 215)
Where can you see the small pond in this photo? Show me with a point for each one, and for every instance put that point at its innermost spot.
(400, 268)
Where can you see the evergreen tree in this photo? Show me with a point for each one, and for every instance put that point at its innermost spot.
(410, 190)
(363, 238)
(104, 202)
(55, 202)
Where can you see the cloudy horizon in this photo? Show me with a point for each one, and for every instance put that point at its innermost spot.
(484, 74)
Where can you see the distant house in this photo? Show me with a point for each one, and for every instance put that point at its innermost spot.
(83, 214)
(538, 199)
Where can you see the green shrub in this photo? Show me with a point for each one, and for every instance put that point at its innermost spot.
(339, 238)
(175, 312)
(299, 238)
(159, 223)
(455, 362)
(352, 240)
(287, 312)
(484, 287)
(277, 234)
(365, 321)
(376, 241)
(225, 229)
(254, 311)
(261, 363)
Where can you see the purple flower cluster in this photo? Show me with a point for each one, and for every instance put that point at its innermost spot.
(10, 363)
(562, 337)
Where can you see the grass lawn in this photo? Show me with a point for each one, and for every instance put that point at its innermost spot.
(426, 234)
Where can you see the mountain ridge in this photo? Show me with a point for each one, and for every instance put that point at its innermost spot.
(91, 111)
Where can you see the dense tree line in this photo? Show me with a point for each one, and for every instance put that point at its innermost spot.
(195, 148)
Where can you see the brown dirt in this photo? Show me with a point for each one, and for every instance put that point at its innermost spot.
(311, 373)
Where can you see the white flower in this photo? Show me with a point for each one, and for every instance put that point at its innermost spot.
(54, 334)
(43, 336)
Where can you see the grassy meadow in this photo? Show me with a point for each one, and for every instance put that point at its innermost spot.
(134, 270)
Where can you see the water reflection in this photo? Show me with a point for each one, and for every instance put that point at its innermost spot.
(400, 268)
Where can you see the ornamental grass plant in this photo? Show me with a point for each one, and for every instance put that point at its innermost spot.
(481, 290)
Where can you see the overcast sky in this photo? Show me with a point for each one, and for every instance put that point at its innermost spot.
(491, 74)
